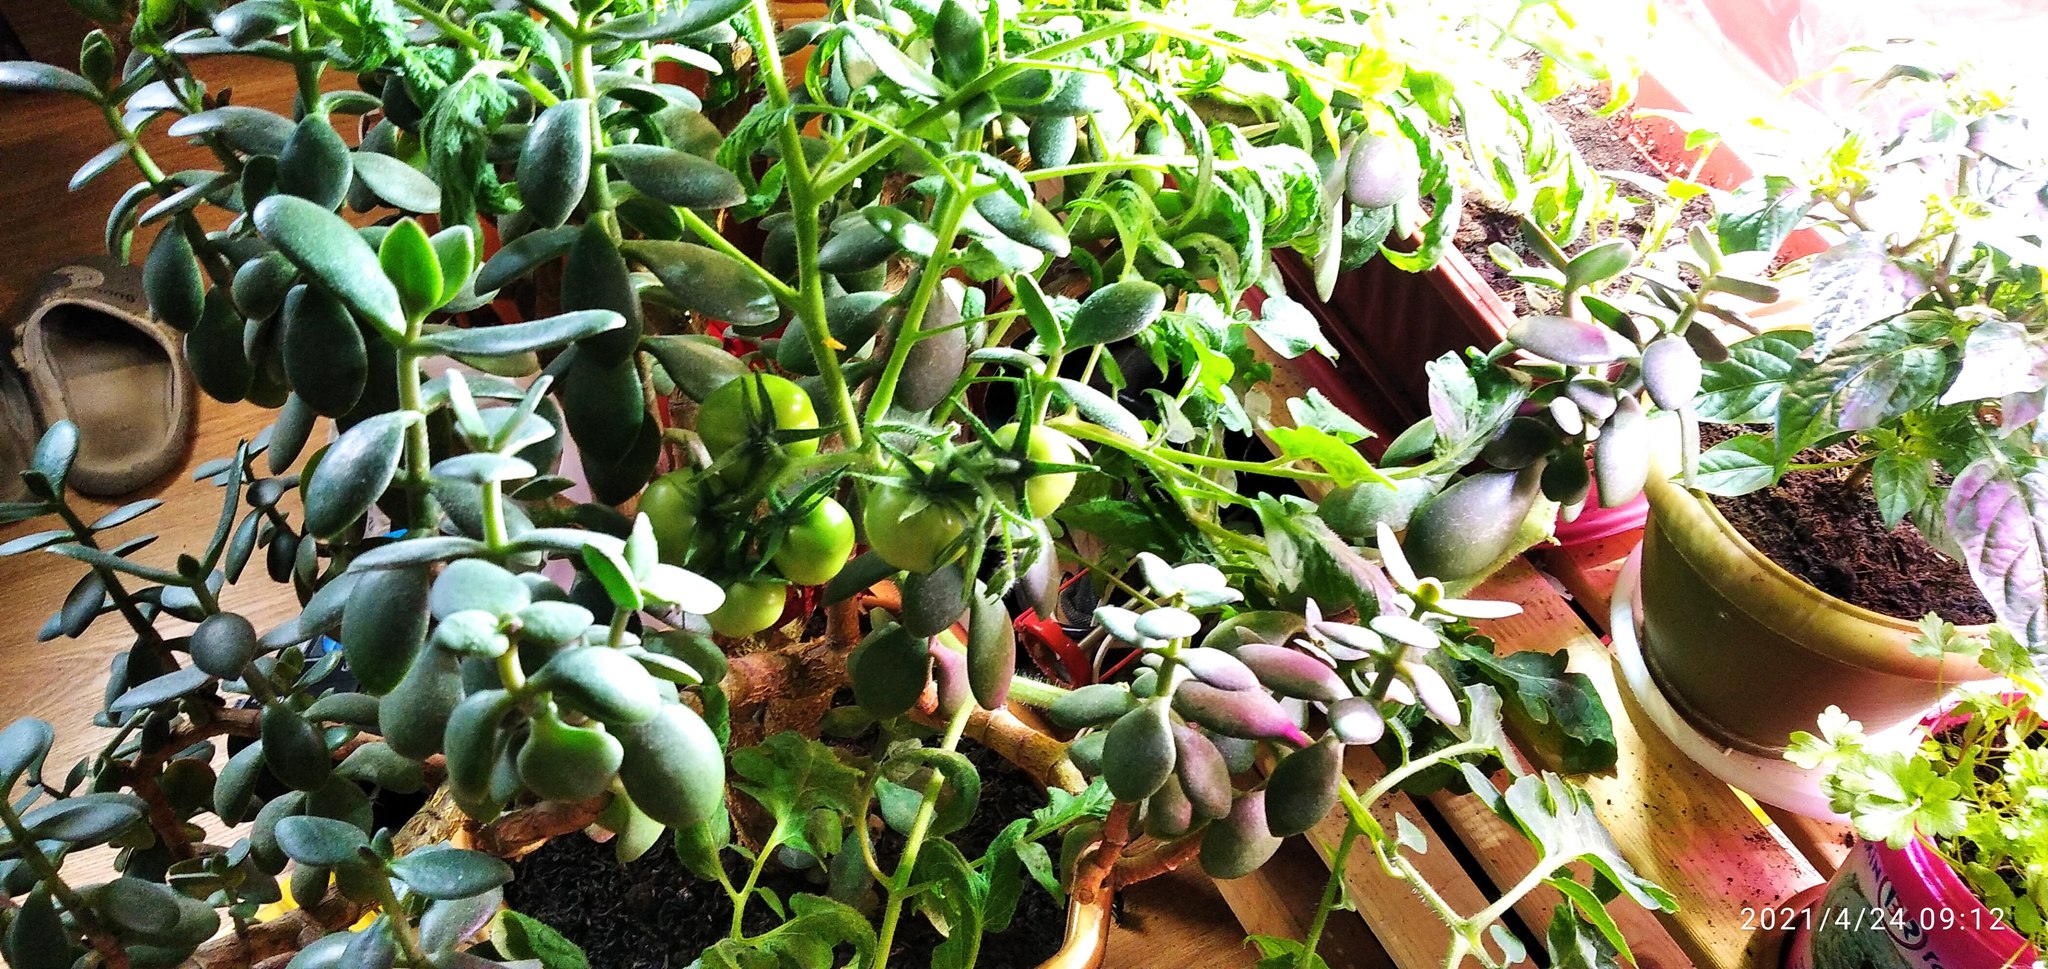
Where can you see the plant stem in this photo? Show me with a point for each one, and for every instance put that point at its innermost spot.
(710, 236)
(1035, 693)
(401, 927)
(45, 869)
(580, 80)
(418, 454)
(307, 71)
(494, 514)
(806, 198)
(618, 628)
(892, 909)
(1329, 899)
(739, 900)
(952, 209)
(144, 630)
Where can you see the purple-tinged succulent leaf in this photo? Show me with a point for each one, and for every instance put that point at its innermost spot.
(1290, 672)
(1249, 714)
(1570, 341)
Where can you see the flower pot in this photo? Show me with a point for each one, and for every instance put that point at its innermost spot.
(1748, 653)
(1899, 907)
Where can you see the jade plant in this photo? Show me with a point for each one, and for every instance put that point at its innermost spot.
(1966, 785)
(963, 285)
(1923, 364)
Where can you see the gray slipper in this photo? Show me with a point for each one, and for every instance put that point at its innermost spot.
(95, 356)
(17, 429)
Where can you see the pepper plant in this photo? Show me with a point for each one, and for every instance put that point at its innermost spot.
(1924, 356)
(963, 284)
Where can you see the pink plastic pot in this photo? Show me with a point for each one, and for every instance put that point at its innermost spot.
(1596, 524)
(1894, 908)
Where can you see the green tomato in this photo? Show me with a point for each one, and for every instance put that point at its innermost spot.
(742, 408)
(816, 547)
(671, 504)
(1047, 492)
(914, 541)
(749, 608)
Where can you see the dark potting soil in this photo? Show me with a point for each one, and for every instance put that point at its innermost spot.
(1825, 529)
(1604, 143)
(654, 914)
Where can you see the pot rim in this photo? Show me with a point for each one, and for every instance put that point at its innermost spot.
(1087, 939)
(1949, 892)
(1693, 512)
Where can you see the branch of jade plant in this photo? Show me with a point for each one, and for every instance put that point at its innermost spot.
(144, 629)
(1162, 858)
(1093, 873)
(112, 955)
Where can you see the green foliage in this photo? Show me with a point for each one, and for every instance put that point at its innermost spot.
(997, 302)
(1964, 787)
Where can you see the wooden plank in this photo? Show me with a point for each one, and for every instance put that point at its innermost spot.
(1179, 920)
(1588, 571)
(1824, 843)
(1674, 822)
(1280, 900)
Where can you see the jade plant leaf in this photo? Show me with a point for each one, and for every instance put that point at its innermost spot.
(329, 251)
(450, 873)
(543, 334)
(323, 842)
(25, 75)
(412, 266)
(85, 819)
(523, 255)
(314, 163)
(554, 167)
(23, 745)
(676, 177)
(396, 182)
(708, 282)
(356, 470)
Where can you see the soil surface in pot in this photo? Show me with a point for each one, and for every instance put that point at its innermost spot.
(1826, 530)
(654, 914)
(1604, 143)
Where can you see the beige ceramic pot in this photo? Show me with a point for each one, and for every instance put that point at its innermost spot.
(1748, 652)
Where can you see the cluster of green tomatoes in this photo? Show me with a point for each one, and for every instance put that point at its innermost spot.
(749, 520)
